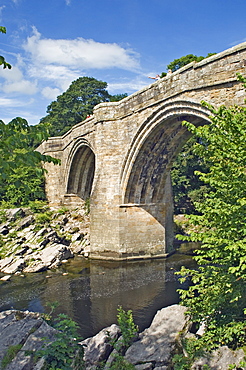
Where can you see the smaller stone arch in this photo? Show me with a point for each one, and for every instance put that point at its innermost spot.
(80, 170)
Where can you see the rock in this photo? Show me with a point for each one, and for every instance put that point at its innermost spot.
(5, 278)
(148, 366)
(14, 213)
(5, 262)
(22, 251)
(35, 266)
(15, 266)
(220, 359)
(75, 237)
(157, 342)
(98, 348)
(4, 229)
(25, 222)
(54, 254)
(27, 330)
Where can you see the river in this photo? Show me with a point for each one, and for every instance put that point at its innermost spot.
(90, 291)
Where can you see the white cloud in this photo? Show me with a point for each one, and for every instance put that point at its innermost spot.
(127, 86)
(68, 2)
(80, 53)
(50, 93)
(15, 82)
(23, 86)
(61, 75)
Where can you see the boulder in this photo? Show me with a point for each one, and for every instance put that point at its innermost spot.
(26, 329)
(54, 254)
(25, 222)
(98, 348)
(156, 343)
(14, 213)
(16, 265)
(220, 359)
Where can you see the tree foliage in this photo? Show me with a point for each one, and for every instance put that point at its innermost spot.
(216, 296)
(75, 104)
(21, 173)
(187, 186)
(2, 59)
(186, 59)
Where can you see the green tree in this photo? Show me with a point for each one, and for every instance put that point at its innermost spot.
(75, 104)
(2, 59)
(216, 296)
(21, 173)
(181, 62)
(117, 97)
(187, 187)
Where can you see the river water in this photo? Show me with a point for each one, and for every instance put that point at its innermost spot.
(91, 291)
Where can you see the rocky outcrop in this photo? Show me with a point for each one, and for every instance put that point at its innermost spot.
(37, 242)
(21, 334)
(153, 349)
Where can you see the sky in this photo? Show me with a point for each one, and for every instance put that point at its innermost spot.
(51, 43)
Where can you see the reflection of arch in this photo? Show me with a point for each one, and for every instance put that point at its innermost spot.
(154, 148)
(81, 169)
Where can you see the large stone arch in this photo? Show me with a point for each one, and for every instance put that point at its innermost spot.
(154, 148)
(80, 171)
(147, 201)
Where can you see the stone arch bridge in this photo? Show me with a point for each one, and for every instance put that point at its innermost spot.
(121, 157)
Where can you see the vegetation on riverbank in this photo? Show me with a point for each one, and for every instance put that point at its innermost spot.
(216, 297)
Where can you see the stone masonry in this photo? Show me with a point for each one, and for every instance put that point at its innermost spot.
(121, 157)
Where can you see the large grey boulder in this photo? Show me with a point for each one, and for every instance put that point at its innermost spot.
(26, 329)
(156, 343)
(221, 359)
(98, 348)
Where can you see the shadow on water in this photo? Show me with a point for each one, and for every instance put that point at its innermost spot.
(90, 292)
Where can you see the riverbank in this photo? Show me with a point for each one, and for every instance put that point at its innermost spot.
(157, 347)
(36, 241)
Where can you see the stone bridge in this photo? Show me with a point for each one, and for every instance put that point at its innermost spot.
(121, 157)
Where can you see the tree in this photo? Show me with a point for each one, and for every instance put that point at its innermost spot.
(216, 296)
(2, 59)
(187, 187)
(21, 173)
(75, 104)
(183, 61)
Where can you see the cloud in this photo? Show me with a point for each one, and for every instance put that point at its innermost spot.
(51, 93)
(68, 2)
(16, 83)
(80, 53)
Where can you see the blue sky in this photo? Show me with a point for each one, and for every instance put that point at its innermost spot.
(50, 43)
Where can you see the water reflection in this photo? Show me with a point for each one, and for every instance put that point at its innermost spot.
(91, 291)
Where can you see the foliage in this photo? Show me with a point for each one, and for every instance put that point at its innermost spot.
(87, 206)
(192, 352)
(64, 353)
(43, 218)
(127, 327)
(2, 59)
(121, 363)
(117, 97)
(216, 296)
(187, 187)
(76, 103)
(21, 173)
(128, 332)
(10, 355)
(181, 62)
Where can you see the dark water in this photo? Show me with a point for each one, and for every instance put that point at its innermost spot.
(90, 292)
